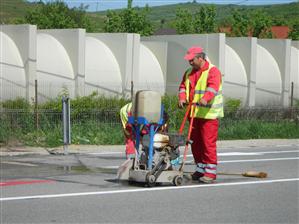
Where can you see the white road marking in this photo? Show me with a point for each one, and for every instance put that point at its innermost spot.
(282, 145)
(146, 189)
(110, 167)
(18, 163)
(279, 151)
(105, 153)
(226, 161)
(219, 154)
(251, 153)
(250, 160)
(239, 154)
(258, 160)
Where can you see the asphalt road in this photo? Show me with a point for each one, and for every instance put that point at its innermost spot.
(81, 188)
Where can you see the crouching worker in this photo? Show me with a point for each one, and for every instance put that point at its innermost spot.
(129, 133)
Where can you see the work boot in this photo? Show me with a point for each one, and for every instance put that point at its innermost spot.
(196, 175)
(206, 180)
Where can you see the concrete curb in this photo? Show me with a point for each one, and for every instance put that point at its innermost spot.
(82, 149)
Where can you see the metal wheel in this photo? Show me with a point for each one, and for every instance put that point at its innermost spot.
(177, 181)
(151, 180)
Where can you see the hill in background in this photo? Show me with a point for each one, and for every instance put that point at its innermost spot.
(163, 16)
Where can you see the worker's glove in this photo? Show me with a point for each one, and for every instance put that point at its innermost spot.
(182, 103)
(203, 102)
(127, 133)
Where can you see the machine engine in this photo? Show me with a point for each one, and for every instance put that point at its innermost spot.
(166, 151)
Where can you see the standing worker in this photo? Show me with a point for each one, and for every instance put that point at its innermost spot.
(202, 85)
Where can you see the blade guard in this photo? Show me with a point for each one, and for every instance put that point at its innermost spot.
(124, 170)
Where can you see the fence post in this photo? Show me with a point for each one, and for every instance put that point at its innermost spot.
(132, 90)
(35, 107)
(66, 117)
(292, 93)
(292, 97)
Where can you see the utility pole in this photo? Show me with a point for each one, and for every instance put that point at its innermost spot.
(130, 4)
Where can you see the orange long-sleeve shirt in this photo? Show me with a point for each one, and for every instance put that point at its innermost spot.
(214, 80)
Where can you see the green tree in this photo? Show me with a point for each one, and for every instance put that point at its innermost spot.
(260, 24)
(294, 34)
(130, 20)
(239, 23)
(257, 22)
(57, 15)
(113, 23)
(279, 21)
(204, 19)
(184, 21)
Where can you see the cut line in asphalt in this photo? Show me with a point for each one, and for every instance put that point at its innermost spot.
(146, 189)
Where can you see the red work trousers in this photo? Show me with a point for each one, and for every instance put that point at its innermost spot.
(130, 141)
(204, 136)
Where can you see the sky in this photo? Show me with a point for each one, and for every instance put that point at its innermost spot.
(101, 5)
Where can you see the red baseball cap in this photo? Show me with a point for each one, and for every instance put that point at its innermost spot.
(192, 52)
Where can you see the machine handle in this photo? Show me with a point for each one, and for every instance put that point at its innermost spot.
(185, 118)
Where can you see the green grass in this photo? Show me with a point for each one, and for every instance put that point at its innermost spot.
(105, 134)
(254, 129)
(13, 9)
(87, 133)
(95, 120)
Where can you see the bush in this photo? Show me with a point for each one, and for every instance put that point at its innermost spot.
(18, 103)
(231, 106)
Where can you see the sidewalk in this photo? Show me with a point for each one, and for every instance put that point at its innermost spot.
(25, 150)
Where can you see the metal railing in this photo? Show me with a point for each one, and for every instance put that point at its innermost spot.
(26, 119)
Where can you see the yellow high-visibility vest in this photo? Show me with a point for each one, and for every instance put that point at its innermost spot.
(214, 108)
(124, 111)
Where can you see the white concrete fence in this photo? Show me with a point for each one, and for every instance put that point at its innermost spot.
(259, 72)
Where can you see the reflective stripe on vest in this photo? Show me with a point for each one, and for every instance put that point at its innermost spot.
(187, 83)
(214, 108)
(203, 92)
(124, 111)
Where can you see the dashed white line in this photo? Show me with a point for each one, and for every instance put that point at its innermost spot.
(146, 189)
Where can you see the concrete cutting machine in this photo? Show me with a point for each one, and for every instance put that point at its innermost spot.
(157, 154)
